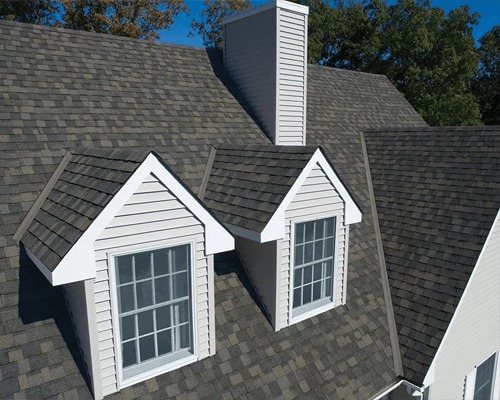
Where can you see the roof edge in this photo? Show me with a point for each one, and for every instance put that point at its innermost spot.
(206, 175)
(393, 333)
(28, 219)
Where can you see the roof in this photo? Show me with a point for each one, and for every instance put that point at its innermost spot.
(86, 185)
(247, 183)
(64, 88)
(437, 195)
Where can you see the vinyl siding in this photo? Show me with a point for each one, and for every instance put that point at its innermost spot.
(475, 327)
(259, 260)
(250, 58)
(152, 216)
(317, 198)
(292, 73)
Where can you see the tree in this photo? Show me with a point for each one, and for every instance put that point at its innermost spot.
(210, 24)
(487, 78)
(428, 56)
(42, 12)
(133, 18)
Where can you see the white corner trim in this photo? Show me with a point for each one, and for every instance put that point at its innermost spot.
(264, 7)
(275, 228)
(79, 263)
(418, 390)
(429, 377)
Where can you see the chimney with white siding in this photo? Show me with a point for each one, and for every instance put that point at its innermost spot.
(265, 51)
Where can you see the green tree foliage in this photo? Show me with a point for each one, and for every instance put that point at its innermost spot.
(133, 18)
(486, 85)
(209, 24)
(40, 12)
(430, 57)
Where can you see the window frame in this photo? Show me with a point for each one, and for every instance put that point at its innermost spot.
(177, 363)
(325, 307)
(470, 378)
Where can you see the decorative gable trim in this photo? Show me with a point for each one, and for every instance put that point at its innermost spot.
(79, 264)
(275, 228)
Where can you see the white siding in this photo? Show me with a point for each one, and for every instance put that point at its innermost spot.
(77, 305)
(266, 55)
(292, 74)
(474, 332)
(317, 198)
(152, 216)
(250, 58)
(259, 259)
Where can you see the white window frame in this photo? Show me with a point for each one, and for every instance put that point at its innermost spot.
(315, 311)
(178, 363)
(470, 379)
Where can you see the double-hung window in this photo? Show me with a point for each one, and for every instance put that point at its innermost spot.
(481, 383)
(154, 308)
(313, 265)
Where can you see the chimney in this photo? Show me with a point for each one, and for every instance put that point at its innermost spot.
(265, 52)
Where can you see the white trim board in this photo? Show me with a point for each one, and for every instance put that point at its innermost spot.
(267, 6)
(79, 264)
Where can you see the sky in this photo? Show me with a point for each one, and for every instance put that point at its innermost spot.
(489, 10)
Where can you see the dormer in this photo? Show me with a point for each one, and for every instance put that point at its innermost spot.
(133, 250)
(290, 214)
(265, 52)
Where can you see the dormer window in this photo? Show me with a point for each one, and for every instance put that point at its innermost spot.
(154, 308)
(314, 256)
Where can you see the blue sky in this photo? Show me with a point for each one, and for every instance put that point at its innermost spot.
(489, 10)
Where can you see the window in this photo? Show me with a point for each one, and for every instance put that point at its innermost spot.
(481, 383)
(313, 267)
(154, 304)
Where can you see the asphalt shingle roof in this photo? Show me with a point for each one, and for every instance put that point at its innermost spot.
(63, 88)
(437, 193)
(247, 183)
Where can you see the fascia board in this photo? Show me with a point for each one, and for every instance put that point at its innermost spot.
(79, 262)
(429, 377)
(275, 228)
(243, 232)
(298, 8)
(40, 265)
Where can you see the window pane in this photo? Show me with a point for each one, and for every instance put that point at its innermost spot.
(164, 342)
(319, 229)
(146, 323)
(296, 297)
(317, 291)
(160, 260)
(299, 233)
(330, 223)
(318, 250)
(180, 258)
(124, 269)
(297, 278)
(128, 327)
(144, 294)
(126, 302)
(317, 271)
(183, 308)
(147, 347)
(163, 318)
(180, 285)
(484, 379)
(329, 247)
(328, 287)
(162, 289)
(299, 255)
(185, 341)
(308, 253)
(129, 354)
(307, 274)
(306, 294)
(142, 266)
(309, 227)
(329, 268)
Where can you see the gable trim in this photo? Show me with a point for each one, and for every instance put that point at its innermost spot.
(28, 219)
(429, 377)
(275, 228)
(206, 175)
(79, 264)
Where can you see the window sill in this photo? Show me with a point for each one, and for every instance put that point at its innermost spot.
(311, 313)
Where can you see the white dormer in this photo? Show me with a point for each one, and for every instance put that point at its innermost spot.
(265, 52)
